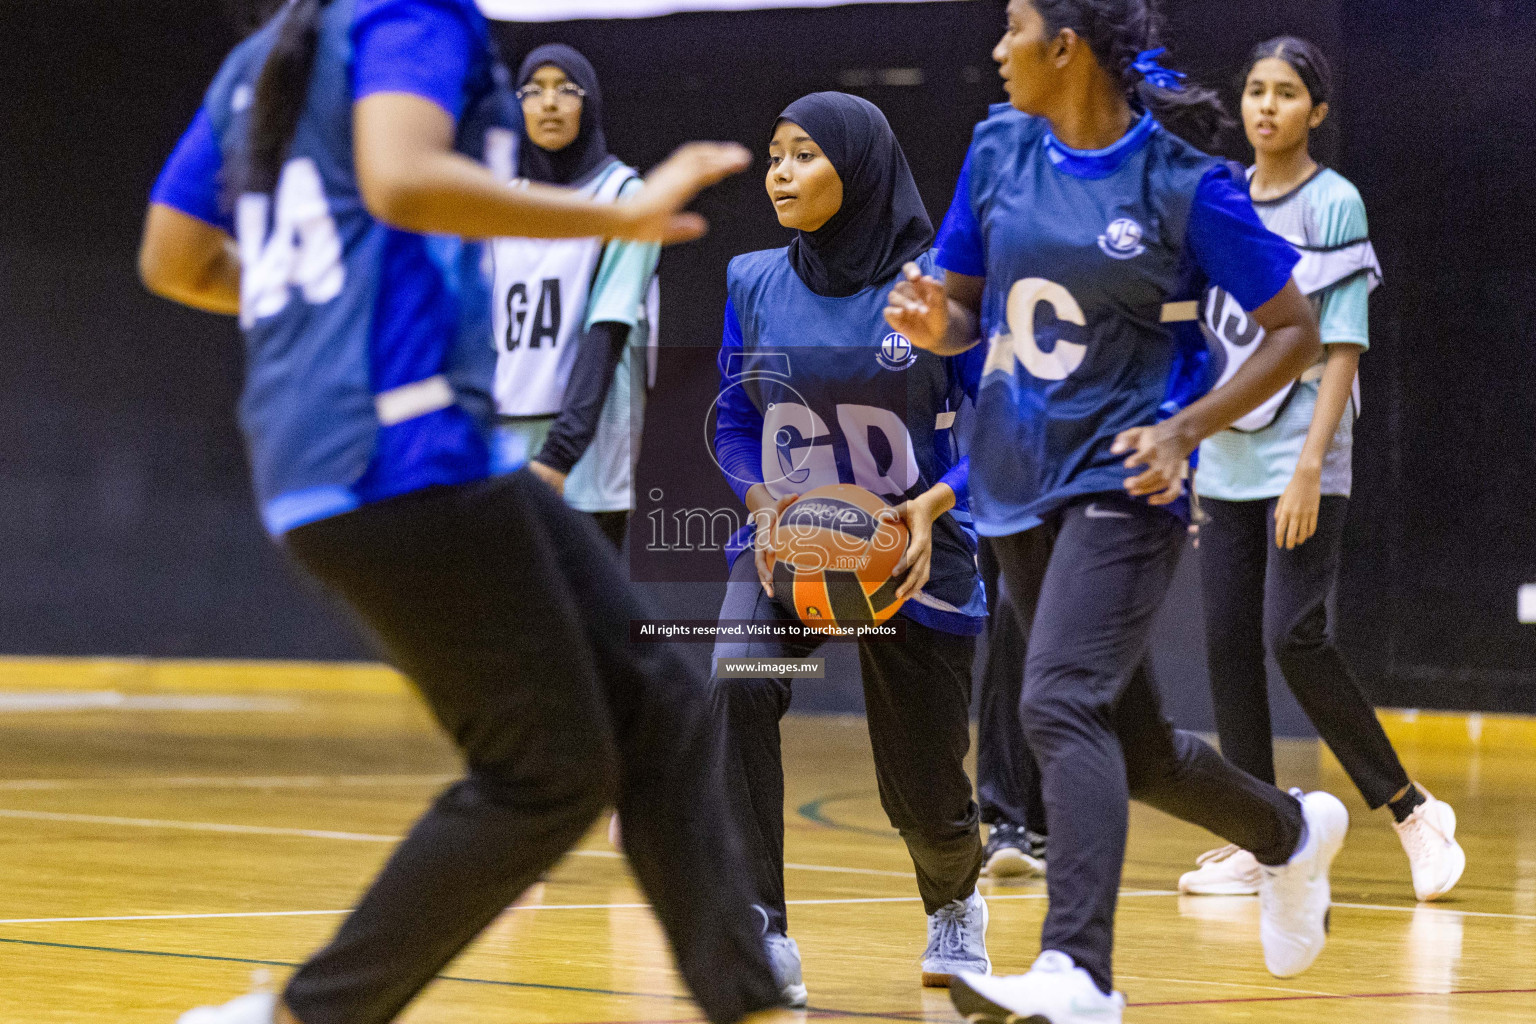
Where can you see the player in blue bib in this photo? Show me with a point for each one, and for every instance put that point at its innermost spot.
(817, 390)
(1007, 778)
(1081, 236)
(321, 194)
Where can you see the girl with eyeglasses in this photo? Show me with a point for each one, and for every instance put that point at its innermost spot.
(573, 320)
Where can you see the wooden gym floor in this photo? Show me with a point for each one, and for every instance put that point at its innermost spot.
(169, 831)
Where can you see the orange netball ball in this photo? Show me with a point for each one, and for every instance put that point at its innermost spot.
(835, 558)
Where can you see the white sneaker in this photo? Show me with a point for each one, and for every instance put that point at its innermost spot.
(256, 1008)
(615, 832)
(957, 941)
(1435, 857)
(1229, 871)
(1294, 898)
(1055, 991)
(784, 955)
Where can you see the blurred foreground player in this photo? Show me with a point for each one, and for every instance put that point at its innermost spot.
(339, 133)
(1081, 237)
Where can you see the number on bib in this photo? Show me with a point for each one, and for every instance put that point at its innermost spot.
(545, 325)
(1020, 343)
(303, 250)
(799, 444)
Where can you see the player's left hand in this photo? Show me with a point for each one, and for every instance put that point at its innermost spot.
(918, 514)
(553, 477)
(1164, 452)
(1296, 511)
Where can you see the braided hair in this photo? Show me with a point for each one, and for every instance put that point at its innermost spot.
(1118, 32)
(281, 90)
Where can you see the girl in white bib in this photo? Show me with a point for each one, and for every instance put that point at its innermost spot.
(569, 314)
(1276, 487)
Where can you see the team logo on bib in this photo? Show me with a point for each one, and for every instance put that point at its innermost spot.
(896, 352)
(1122, 240)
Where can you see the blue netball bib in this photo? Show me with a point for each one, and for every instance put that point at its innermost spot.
(1093, 265)
(368, 370)
(827, 393)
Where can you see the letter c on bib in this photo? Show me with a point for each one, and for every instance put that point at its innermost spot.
(1066, 356)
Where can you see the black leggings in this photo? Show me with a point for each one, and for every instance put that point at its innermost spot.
(1094, 719)
(614, 526)
(1259, 597)
(508, 612)
(917, 695)
(1007, 778)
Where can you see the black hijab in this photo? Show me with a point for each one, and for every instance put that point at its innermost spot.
(882, 223)
(589, 150)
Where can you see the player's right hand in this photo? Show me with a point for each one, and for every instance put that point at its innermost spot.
(655, 213)
(919, 308)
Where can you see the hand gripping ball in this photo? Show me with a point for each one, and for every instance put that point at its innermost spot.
(834, 558)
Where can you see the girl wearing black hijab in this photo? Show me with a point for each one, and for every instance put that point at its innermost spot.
(817, 390)
(568, 313)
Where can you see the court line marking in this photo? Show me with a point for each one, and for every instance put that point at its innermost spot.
(1340, 996)
(789, 865)
(367, 837)
(816, 1011)
(1431, 908)
(1224, 984)
(354, 837)
(289, 963)
(225, 782)
(196, 826)
(522, 908)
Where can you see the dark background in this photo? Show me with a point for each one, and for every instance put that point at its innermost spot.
(128, 528)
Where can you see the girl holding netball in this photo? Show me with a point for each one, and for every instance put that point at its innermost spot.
(1081, 237)
(1276, 488)
(341, 135)
(569, 315)
(817, 390)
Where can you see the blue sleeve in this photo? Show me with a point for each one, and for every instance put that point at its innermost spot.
(965, 374)
(1234, 248)
(959, 480)
(189, 181)
(960, 246)
(738, 423)
(423, 47)
(965, 370)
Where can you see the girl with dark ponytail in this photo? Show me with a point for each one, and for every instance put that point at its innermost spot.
(1007, 780)
(1082, 235)
(331, 144)
(1276, 486)
(281, 89)
(1124, 40)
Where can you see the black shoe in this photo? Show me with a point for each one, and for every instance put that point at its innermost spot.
(1013, 851)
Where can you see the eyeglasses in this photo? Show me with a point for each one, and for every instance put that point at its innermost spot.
(565, 92)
